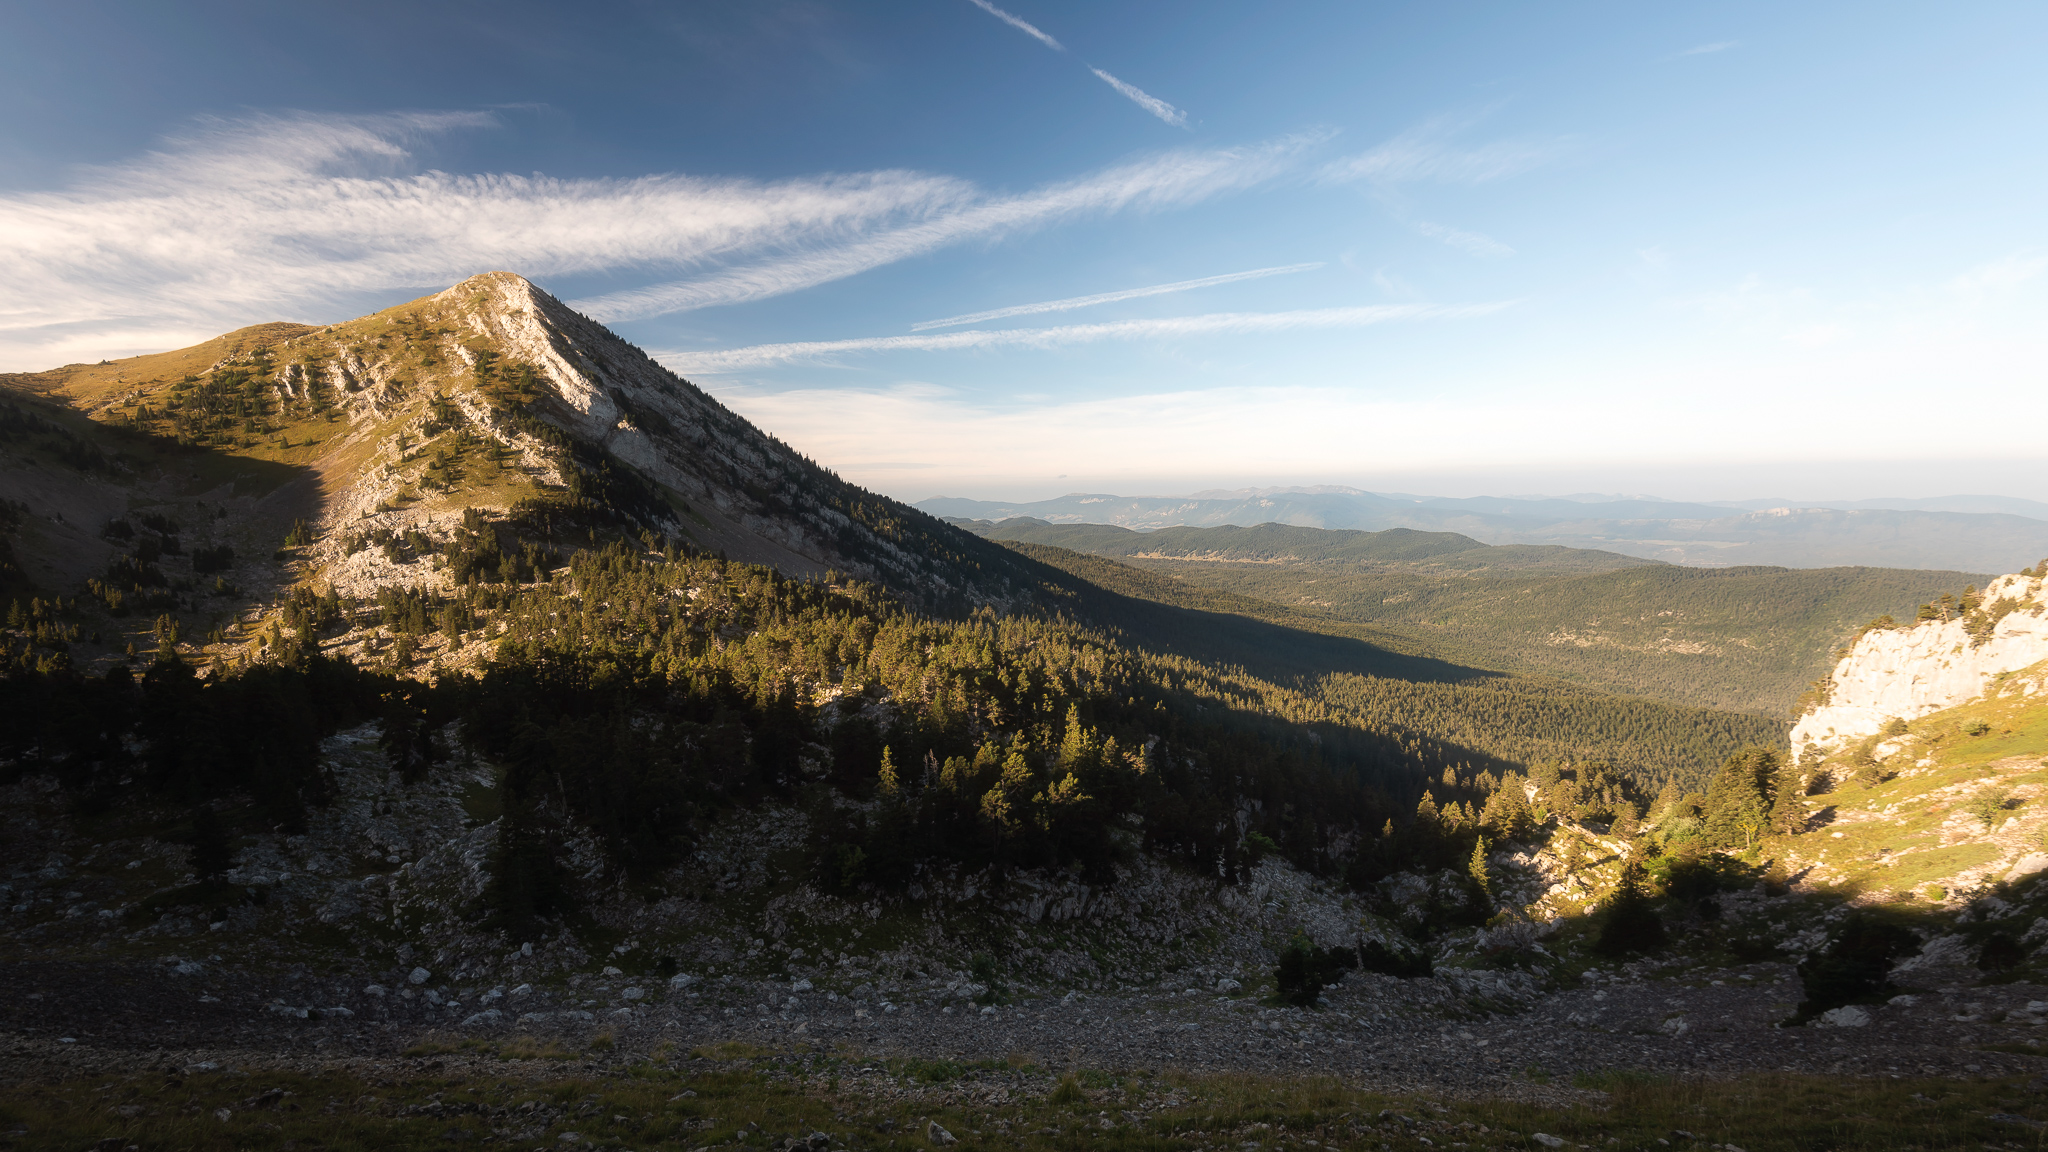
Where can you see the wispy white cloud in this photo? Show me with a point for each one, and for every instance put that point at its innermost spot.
(1073, 302)
(2005, 272)
(1696, 50)
(1020, 24)
(1428, 152)
(1215, 323)
(1145, 100)
(1473, 242)
(232, 222)
(1166, 180)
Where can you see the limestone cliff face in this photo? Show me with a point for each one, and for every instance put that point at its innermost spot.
(1910, 672)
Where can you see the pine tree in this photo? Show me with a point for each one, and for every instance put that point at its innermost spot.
(1739, 798)
(527, 879)
(212, 856)
(1079, 751)
(1426, 815)
(1788, 807)
(1477, 868)
(887, 784)
(1666, 800)
(1507, 813)
(1632, 924)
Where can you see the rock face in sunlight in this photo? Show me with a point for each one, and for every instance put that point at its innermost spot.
(1906, 673)
(490, 396)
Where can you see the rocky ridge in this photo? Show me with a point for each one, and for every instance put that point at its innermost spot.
(1906, 673)
(485, 395)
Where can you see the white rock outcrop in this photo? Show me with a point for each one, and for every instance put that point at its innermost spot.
(1848, 1016)
(1910, 672)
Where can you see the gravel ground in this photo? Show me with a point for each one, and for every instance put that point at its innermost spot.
(1431, 1035)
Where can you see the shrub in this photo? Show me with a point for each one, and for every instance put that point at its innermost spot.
(211, 854)
(216, 559)
(1068, 1091)
(1305, 969)
(1989, 806)
(1632, 924)
(2000, 953)
(1694, 880)
(1854, 969)
(983, 968)
(1374, 956)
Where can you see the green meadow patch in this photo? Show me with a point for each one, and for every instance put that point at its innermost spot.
(744, 1098)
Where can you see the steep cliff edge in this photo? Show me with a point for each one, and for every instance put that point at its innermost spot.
(1908, 672)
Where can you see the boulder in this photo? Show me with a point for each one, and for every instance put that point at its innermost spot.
(2027, 865)
(1847, 1016)
(1950, 950)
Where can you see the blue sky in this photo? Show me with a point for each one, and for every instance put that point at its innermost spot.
(1712, 252)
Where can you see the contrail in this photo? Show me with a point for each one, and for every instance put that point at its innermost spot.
(1145, 100)
(1131, 92)
(1020, 24)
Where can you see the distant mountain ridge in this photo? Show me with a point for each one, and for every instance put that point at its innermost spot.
(1677, 532)
(1281, 543)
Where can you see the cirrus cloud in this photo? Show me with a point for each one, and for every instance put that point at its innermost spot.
(1358, 316)
(234, 221)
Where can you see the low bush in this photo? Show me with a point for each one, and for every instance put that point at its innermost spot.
(1855, 969)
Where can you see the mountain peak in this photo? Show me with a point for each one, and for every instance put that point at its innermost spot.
(493, 398)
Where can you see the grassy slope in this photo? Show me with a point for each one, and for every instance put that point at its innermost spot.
(1920, 827)
(1914, 843)
(335, 443)
(243, 489)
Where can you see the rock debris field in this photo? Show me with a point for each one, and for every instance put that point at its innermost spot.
(1453, 1035)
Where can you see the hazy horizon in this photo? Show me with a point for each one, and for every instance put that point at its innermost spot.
(1676, 488)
